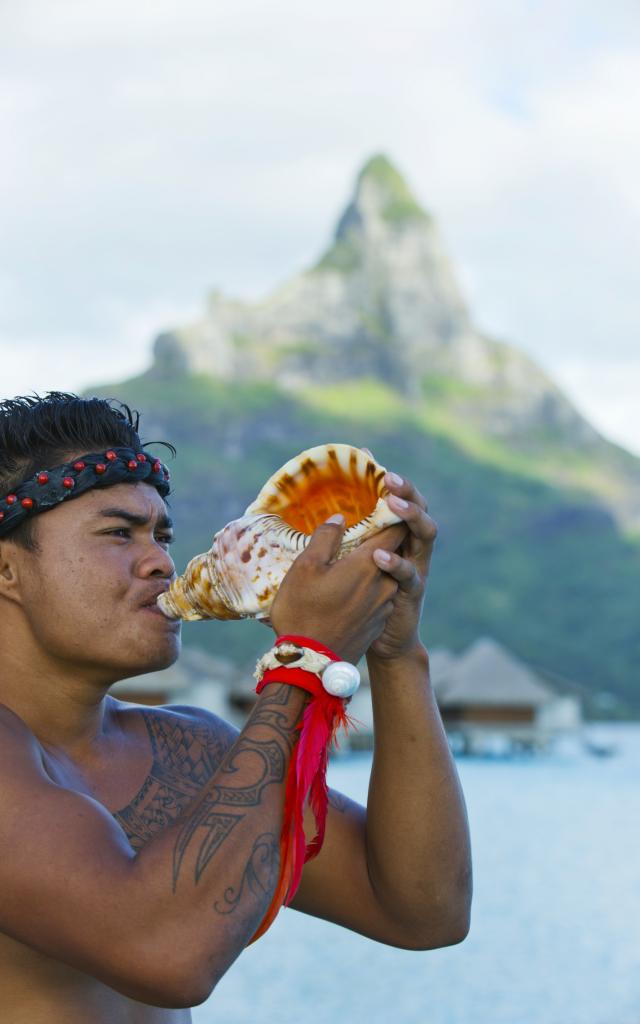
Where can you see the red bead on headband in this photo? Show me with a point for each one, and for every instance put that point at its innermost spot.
(49, 487)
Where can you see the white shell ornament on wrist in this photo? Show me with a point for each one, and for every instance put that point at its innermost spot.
(341, 679)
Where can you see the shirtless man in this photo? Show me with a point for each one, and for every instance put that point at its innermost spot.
(139, 846)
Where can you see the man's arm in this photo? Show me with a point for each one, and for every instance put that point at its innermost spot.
(416, 796)
(399, 872)
(405, 869)
(162, 926)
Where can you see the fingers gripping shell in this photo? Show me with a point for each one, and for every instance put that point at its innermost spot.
(240, 575)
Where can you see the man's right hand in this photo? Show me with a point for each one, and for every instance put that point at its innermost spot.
(342, 603)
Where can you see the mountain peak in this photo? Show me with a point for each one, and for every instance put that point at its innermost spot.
(382, 202)
(382, 303)
(395, 201)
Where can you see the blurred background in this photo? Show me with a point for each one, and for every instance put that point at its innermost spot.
(415, 227)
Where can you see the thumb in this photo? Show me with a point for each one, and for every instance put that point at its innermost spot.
(326, 539)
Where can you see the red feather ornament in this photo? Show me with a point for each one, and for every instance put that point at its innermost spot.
(307, 774)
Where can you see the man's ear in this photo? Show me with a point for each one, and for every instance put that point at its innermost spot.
(10, 573)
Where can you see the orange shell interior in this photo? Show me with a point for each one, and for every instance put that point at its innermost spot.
(317, 492)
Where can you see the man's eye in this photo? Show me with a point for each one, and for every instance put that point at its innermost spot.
(125, 531)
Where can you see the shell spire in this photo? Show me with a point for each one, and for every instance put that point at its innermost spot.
(240, 575)
(192, 595)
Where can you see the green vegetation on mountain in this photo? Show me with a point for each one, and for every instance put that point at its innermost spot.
(541, 567)
(396, 205)
(344, 256)
(539, 516)
(400, 204)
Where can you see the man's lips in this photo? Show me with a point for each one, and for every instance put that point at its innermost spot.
(152, 609)
(151, 605)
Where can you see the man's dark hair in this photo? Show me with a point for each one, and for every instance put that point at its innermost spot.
(39, 432)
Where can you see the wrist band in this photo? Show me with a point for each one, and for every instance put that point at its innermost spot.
(339, 678)
(307, 773)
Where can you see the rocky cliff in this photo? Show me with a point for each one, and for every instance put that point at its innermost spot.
(538, 515)
(383, 303)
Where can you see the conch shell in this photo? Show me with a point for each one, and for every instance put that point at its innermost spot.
(240, 575)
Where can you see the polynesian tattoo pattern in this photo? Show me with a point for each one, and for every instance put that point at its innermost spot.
(259, 876)
(186, 755)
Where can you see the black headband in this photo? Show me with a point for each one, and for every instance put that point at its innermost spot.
(49, 487)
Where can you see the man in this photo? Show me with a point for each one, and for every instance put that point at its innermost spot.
(138, 846)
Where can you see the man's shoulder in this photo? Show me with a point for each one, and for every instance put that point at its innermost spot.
(10, 719)
(179, 720)
(14, 732)
(190, 716)
(20, 754)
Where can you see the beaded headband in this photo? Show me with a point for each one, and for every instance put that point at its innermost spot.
(49, 487)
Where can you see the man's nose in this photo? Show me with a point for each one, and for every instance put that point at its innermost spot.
(157, 562)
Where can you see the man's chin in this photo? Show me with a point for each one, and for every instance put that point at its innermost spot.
(160, 657)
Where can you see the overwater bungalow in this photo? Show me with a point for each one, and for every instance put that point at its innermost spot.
(493, 703)
(490, 701)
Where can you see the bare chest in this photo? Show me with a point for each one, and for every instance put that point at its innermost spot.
(145, 791)
(157, 779)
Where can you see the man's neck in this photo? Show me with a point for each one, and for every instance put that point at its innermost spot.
(64, 708)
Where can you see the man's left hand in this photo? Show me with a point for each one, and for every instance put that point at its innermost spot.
(409, 566)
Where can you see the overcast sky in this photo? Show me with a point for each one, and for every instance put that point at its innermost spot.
(152, 151)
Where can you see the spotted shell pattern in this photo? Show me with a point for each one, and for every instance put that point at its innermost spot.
(240, 575)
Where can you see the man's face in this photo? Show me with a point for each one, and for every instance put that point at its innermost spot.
(89, 591)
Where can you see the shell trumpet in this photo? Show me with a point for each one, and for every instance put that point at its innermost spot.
(239, 576)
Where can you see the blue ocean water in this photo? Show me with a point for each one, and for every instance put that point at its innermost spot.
(555, 933)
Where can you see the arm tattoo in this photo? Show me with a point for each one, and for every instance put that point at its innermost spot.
(187, 752)
(258, 877)
(185, 755)
(271, 756)
(226, 804)
(215, 828)
(267, 714)
(212, 826)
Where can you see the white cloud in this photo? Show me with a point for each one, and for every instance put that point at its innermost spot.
(160, 149)
(72, 362)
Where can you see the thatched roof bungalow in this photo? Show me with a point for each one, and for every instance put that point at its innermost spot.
(487, 696)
